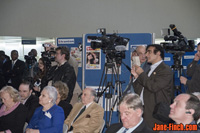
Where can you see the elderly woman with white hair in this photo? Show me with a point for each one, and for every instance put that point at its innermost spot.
(48, 118)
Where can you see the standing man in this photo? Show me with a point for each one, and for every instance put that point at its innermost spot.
(193, 70)
(155, 86)
(131, 110)
(29, 100)
(87, 116)
(14, 70)
(63, 71)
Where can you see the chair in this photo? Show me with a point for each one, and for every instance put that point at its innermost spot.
(103, 124)
(65, 128)
(25, 125)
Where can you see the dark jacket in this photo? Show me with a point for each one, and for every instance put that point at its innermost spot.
(31, 104)
(142, 128)
(15, 120)
(66, 107)
(66, 74)
(193, 70)
(159, 86)
(15, 74)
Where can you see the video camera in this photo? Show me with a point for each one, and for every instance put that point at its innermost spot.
(30, 59)
(178, 43)
(48, 54)
(112, 45)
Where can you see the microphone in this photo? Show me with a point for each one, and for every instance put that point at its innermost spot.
(120, 48)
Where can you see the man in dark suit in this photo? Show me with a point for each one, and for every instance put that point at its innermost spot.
(154, 86)
(29, 100)
(131, 110)
(13, 70)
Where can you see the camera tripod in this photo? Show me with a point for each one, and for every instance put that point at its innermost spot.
(110, 88)
(177, 69)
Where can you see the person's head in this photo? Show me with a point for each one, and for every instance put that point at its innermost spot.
(198, 49)
(62, 89)
(154, 53)
(185, 109)
(44, 64)
(48, 96)
(34, 51)
(25, 89)
(14, 54)
(141, 51)
(2, 55)
(131, 110)
(62, 54)
(9, 96)
(88, 96)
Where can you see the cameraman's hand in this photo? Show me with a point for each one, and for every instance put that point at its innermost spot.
(183, 80)
(36, 88)
(196, 57)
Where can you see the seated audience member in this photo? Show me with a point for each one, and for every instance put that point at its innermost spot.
(185, 110)
(197, 94)
(12, 112)
(29, 100)
(48, 118)
(62, 95)
(131, 110)
(86, 116)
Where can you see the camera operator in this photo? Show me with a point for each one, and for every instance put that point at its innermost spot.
(193, 70)
(63, 71)
(40, 79)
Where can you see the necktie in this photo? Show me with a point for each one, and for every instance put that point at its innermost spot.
(13, 64)
(126, 129)
(82, 110)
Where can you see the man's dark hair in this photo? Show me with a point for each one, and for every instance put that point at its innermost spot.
(157, 49)
(194, 103)
(28, 82)
(198, 44)
(64, 50)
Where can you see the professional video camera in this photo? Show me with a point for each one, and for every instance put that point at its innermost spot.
(112, 45)
(30, 59)
(49, 54)
(178, 43)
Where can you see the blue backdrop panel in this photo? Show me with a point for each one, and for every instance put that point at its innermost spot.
(72, 42)
(92, 77)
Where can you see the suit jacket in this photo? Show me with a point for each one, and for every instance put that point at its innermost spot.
(15, 74)
(50, 121)
(90, 121)
(159, 86)
(142, 128)
(31, 104)
(193, 70)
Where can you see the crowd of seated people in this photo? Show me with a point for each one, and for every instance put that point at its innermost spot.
(49, 108)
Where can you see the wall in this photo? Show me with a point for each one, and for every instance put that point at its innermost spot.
(72, 18)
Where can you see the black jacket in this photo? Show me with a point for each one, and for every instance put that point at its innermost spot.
(66, 74)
